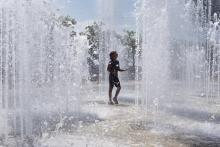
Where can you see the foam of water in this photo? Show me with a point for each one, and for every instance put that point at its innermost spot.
(41, 65)
(178, 45)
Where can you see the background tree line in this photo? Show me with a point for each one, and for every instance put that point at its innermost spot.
(127, 38)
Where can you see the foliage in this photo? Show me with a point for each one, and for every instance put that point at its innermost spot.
(93, 35)
(129, 41)
(68, 22)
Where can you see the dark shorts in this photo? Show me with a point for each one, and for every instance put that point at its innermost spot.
(114, 81)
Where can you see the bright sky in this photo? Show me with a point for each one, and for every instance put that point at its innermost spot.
(86, 11)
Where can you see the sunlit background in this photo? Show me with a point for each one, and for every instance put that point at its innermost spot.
(87, 11)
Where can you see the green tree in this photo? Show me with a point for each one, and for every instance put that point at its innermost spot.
(93, 35)
(68, 22)
(129, 41)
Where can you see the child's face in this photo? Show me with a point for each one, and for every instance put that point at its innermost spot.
(115, 56)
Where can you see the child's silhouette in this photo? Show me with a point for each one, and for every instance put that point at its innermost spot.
(113, 68)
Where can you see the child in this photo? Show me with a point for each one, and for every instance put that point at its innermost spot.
(113, 68)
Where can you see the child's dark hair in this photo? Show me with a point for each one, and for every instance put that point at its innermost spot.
(112, 54)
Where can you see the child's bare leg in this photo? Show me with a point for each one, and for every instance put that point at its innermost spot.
(117, 92)
(110, 93)
(116, 95)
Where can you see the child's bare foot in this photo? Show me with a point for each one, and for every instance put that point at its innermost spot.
(115, 101)
(110, 103)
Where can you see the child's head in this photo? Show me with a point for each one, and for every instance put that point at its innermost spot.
(113, 55)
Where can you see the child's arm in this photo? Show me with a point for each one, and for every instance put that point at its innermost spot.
(119, 69)
(122, 70)
(109, 67)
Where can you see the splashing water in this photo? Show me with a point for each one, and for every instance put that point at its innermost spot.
(108, 40)
(180, 45)
(41, 66)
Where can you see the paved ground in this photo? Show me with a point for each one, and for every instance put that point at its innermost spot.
(182, 119)
(178, 120)
(127, 125)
